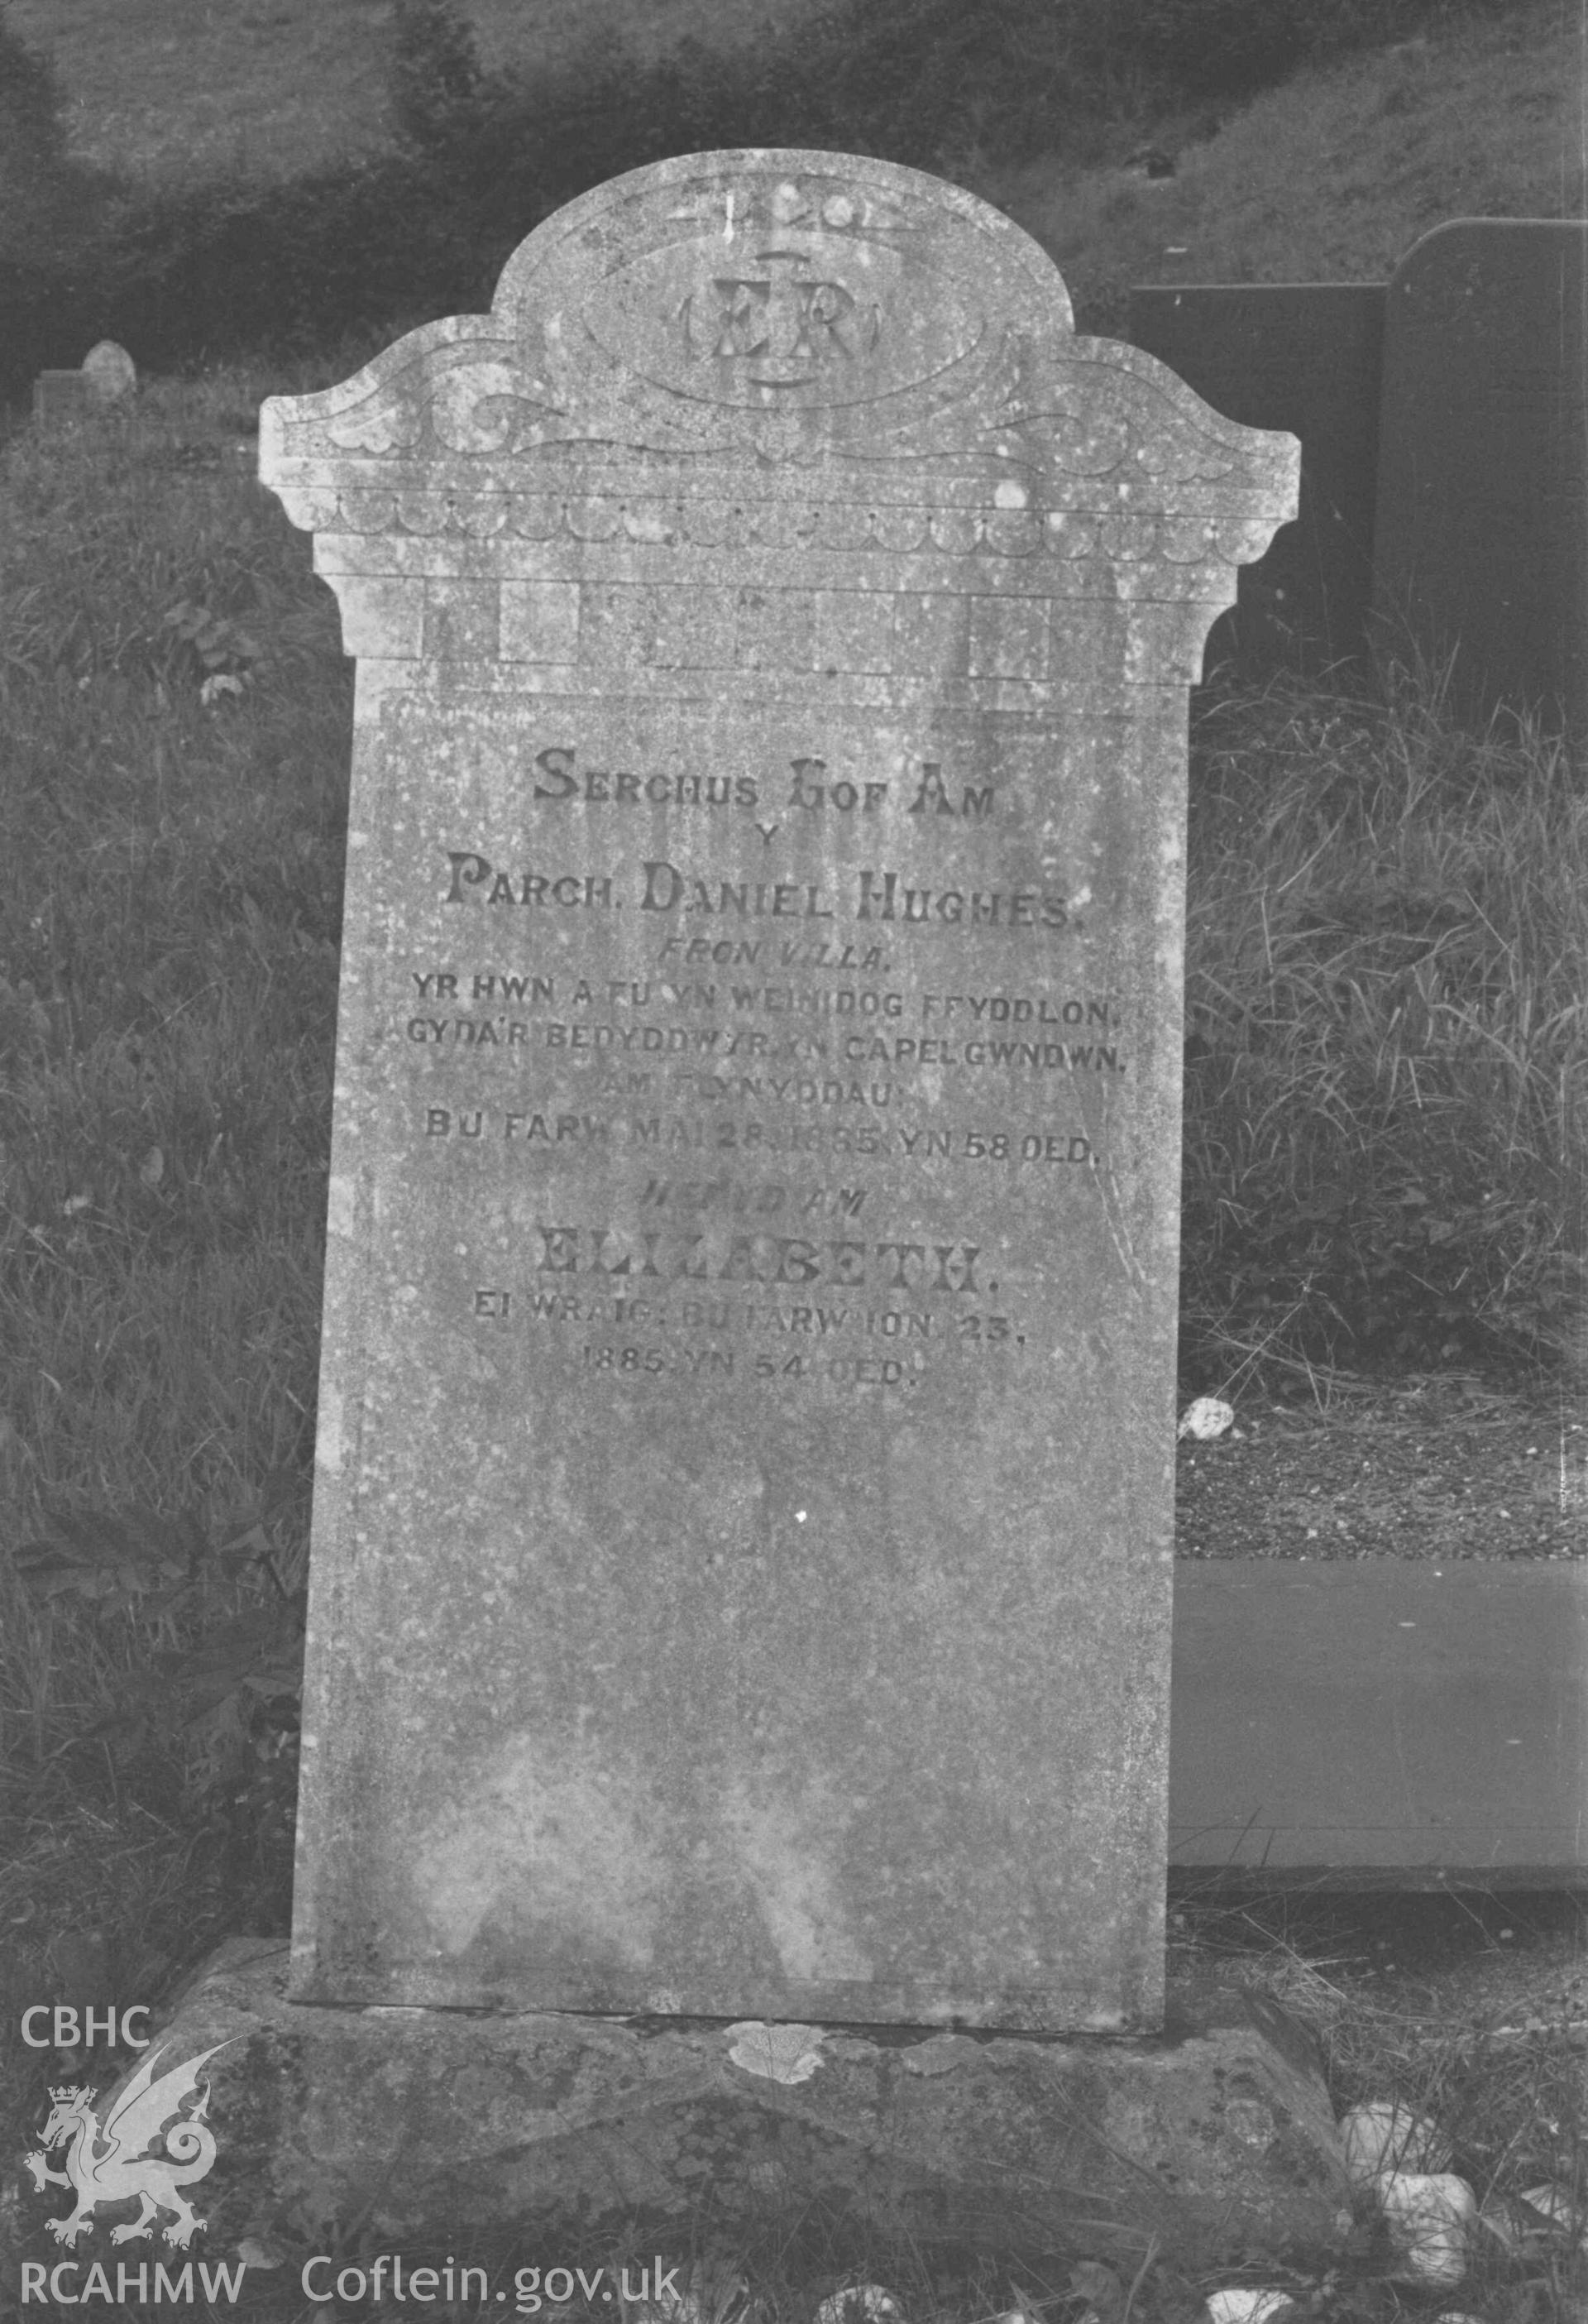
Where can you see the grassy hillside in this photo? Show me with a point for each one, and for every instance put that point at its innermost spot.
(190, 87)
(1331, 178)
(202, 85)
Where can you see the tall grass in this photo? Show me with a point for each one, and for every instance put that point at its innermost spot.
(170, 875)
(1386, 1098)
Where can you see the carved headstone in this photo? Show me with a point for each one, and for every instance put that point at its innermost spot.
(1304, 357)
(742, 1562)
(1481, 538)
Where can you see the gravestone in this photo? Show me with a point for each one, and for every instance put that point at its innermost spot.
(1481, 535)
(61, 397)
(1304, 357)
(110, 372)
(741, 1555)
(107, 376)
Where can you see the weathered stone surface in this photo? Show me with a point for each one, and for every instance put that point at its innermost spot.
(110, 372)
(1482, 537)
(741, 1559)
(1306, 357)
(420, 2121)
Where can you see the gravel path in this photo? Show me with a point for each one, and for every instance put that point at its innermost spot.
(1430, 1465)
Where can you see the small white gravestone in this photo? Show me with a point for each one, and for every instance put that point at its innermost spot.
(110, 372)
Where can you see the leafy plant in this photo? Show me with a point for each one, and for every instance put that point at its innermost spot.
(221, 653)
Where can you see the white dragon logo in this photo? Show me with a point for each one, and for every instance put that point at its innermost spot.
(111, 2162)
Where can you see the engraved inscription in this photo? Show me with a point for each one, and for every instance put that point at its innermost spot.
(872, 892)
(780, 327)
(785, 296)
(707, 1088)
(839, 1025)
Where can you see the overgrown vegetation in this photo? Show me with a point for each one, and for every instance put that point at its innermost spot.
(43, 193)
(173, 719)
(1387, 1063)
(49, 209)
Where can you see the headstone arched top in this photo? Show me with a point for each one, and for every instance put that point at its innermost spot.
(110, 372)
(801, 356)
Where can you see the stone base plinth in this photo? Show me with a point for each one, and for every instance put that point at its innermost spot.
(385, 2128)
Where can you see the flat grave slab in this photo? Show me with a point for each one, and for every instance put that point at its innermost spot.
(742, 1557)
(1381, 1721)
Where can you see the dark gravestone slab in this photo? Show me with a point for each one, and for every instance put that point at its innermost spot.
(1303, 357)
(1380, 1720)
(742, 1558)
(1481, 538)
